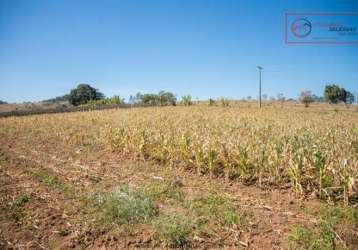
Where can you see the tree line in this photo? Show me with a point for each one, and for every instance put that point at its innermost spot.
(85, 94)
(333, 94)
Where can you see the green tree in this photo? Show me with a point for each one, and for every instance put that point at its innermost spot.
(335, 94)
(187, 100)
(166, 98)
(84, 93)
(163, 98)
(350, 98)
(306, 98)
(150, 99)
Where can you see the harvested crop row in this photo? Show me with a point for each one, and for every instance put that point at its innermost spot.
(310, 151)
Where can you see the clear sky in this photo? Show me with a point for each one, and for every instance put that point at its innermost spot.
(207, 48)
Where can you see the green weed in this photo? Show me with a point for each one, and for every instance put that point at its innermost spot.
(21, 200)
(218, 208)
(334, 228)
(128, 206)
(174, 230)
(164, 190)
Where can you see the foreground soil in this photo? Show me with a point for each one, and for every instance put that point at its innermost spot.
(55, 216)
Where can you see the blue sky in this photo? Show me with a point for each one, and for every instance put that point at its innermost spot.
(207, 48)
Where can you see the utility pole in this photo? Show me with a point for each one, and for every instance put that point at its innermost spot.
(260, 68)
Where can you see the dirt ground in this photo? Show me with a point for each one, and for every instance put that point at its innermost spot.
(55, 217)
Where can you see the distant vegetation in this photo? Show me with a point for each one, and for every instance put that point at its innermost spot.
(306, 98)
(84, 94)
(114, 100)
(163, 98)
(187, 100)
(224, 102)
(58, 99)
(87, 96)
(335, 94)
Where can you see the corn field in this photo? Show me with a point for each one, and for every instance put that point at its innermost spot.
(312, 152)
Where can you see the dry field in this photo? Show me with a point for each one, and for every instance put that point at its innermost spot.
(191, 177)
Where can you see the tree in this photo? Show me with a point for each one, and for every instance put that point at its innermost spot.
(187, 100)
(335, 94)
(306, 98)
(135, 99)
(163, 98)
(166, 98)
(2, 102)
(84, 93)
(150, 99)
(350, 98)
(264, 96)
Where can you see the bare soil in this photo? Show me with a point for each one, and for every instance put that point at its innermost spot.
(55, 218)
